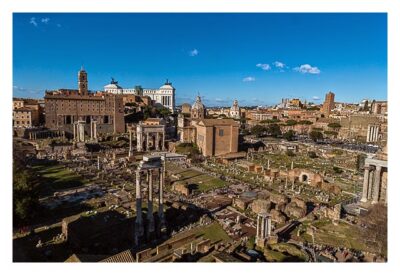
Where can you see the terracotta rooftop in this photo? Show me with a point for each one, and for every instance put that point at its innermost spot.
(122, 257)
(213, 122)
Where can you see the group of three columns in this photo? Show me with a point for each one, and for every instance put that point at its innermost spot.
(139, 226)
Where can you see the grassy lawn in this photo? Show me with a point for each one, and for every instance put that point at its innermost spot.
(274, 256)
(53, 177)
(284, 252)
(342, 235)
(204, 182)
(290, 250)
(214, 232)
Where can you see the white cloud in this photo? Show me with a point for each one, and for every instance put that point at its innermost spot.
(45, 20)
(316, 98)
(194, 52)
(249, 79)
(264, 67)
(279, 64)
(33, 21)
(307, 69)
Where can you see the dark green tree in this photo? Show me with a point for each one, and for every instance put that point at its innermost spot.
(258, 130)
(305, 122)
(312, 154)
(291, 122)
(315, 135)
(274, 130)
(289, 135)
(334, 125)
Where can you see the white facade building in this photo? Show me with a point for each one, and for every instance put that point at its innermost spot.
(165, 95)
(234, 112)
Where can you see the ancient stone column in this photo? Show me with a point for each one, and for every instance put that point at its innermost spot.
(262, 227)
(258, 227)
(269, 226)
(157, 141)
(95, 130)
(147, 141)
(377, 184)
(74, 126)
(91, 130)
(163, 142)
(139, 142)
(130, 143)
(370, 183)
(150, 217)
(138, 222)
(160, 198)
(365, 185)
(82, 132)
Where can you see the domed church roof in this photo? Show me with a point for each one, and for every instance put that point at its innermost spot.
(198, 104)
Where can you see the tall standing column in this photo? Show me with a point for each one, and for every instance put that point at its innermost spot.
(161, 199)
(74, 126)
(138, 222)
(157, 141)
(269, 225)
(139, 141)
(369, 133)
(147, 141)
(95, 130)
(91, 130)
(130, 143)
(150, 217)
(163, 142)
(377, 184)
(365, 185)
(262, 227)
(377, 133)
(82, 132)
(370, 183)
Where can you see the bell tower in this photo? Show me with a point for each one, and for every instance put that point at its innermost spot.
(82, 82)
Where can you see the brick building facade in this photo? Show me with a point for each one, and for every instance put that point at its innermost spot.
(66, 106)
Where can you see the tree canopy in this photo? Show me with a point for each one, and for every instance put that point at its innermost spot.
(316, 135)
(289, 135)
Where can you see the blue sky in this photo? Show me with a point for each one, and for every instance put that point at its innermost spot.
(255, 58)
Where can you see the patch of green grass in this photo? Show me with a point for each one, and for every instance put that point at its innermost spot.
(204, 182)
(291, 250)
(341, 235)
(53, 177)
(214, 232)
(274, 256)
